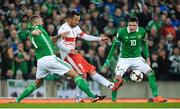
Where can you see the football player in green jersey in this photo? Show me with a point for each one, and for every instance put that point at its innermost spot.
(133, 40)
(47, 62)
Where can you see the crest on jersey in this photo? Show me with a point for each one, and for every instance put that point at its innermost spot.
(139, 36)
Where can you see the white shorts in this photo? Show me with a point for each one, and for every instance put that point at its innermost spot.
(138, 63)
(51, 64)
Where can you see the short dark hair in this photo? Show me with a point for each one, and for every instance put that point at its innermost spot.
(133, 19)
(33, 17)
(71, 14)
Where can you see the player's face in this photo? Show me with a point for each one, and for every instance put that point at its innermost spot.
(132, 26)
(40, 21)
(75, 21)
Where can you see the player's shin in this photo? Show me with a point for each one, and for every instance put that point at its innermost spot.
(100, 79)
(78, 94)
(114, 93)
(83, 86)
(26, 92)
(152, 82)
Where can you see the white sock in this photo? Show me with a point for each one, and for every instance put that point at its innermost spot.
(79, 93)
(100, 79)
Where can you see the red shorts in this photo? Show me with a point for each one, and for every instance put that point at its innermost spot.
(79, 63)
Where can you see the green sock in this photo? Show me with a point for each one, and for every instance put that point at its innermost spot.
(83, 86)
(26, 92)
(114, 93)
(152, 82)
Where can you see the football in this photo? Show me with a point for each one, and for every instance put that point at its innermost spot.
(136, 76)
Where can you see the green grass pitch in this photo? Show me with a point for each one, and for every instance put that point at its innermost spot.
(92, 105)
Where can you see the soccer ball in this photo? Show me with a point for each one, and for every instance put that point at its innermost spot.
(136, 76)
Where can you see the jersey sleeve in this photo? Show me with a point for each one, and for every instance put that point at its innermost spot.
(114, 45)
(144, 37)
(119, 35)
(79, 31)
(60, 30)
(145, 51)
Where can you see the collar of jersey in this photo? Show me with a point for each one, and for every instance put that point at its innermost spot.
(130, 31)
(34, 27)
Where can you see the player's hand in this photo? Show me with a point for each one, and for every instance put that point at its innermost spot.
(105, 39)
(73, 51)
(61, 35)
(106, 66)
(64, 34)
(148, 61)
(36, 32)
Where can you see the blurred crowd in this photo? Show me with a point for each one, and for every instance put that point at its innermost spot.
(160, 18)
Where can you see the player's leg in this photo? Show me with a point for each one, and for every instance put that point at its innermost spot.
(29, 90)
(82, 66)
(40, 74)
(61, 67)
(79, 92)
(79, 97)
(100, 79)
(83, 85)
(145, 68)
(75, 60)
(121, 67)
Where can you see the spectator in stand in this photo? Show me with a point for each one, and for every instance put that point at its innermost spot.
(163, 65)
(51, 30)
(13, 40)
(111, 5)
(23, 32)
(169, 44)
(175, 65)
(155, 24)
(168, 29)
(154, 63)
(31, 53)
(10, 74)
(144, 17)
(177, 11)
(117, 17)
(21, 60)
(178, 33)
(6, 55)
(19, 75)
(110, 30)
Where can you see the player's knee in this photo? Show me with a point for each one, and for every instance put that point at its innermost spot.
(92, 72)
(38, 83)
(150, 72)
(118, 77)
(72, 73)
(119, 73)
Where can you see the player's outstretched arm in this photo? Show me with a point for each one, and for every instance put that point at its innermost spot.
(108, 59)
(145, 51)
(61, 35)
(105, 39)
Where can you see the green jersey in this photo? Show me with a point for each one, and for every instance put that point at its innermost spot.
(42, 43)
(131, 42)
(23, 66)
